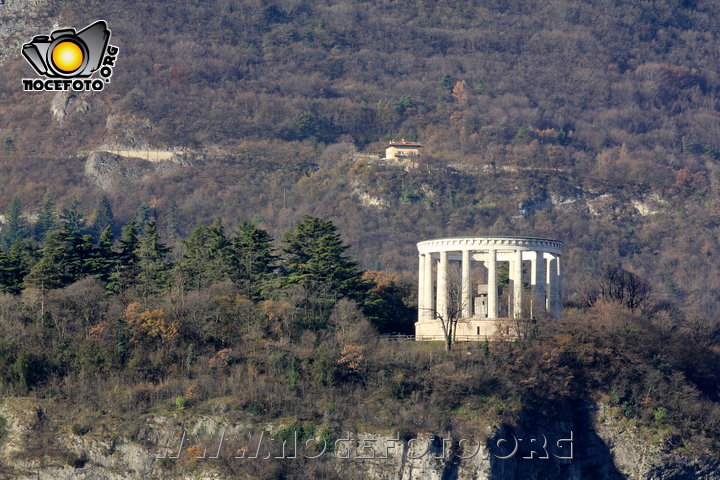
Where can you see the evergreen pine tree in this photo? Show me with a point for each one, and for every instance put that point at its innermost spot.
(15, 227)
(172, 221)
(191, 268)
(154, 266)
(125, 268)
(8, 279)
(72, 219)
(45, 275)
(218, 244)
(103, 216)
(46, 220)
(205, 259)
(66, 258)
(129, 241)
(315, 255)
(314, 258)
(104, 260)
(251, 260)
(142, 216)
(22, 256)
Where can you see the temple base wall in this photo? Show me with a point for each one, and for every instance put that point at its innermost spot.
(468, 330)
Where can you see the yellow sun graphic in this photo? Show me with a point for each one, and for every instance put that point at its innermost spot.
(67, 56)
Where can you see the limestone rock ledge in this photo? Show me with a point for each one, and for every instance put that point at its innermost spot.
(115, 450)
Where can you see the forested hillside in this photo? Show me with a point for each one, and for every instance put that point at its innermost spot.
(253, 270)
(595, 123)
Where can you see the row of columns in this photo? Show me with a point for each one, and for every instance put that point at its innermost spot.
(545, 284)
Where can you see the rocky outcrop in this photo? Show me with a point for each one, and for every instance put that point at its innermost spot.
(64, 103)
(21, 20)
(108, 170)
(186, 447)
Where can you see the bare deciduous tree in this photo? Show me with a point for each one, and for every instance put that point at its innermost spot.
(618, 285)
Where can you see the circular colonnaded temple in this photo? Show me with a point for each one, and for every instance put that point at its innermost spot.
(489, 285)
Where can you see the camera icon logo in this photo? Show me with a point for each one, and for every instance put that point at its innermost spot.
(67, 59)
(67, 53)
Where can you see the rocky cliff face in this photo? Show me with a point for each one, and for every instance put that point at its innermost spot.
(34, 446)
(21, 20)
(107, 170)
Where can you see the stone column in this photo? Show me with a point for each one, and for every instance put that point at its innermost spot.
(429, 295)
(442, 290)
(516, 277)
(492, 284)
(421, 288)
(467, 294)
(557, 290)
(537, 280)
(551, 285)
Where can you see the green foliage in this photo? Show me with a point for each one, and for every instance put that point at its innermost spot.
(660, 416)
(180, 403)
(10, 275)
(125, 269)
(103, 260)
(172, 220)
(447, 83)
(323, 367)
(252, 261)
(153, 265)
(103, 217)
(305, 125)
(66, 258)
(3, 428)
(81, 429)
(72, 219)
(46, 220)
(143, 215)
(315, 255)
(293, 375)
(15, 227)
(29, 370)
(403, 104)
(190, 357)
(295, 432)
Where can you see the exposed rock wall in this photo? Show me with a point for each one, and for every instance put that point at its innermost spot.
(33, 446)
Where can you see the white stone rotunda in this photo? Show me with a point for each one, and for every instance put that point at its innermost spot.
(488, 284)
